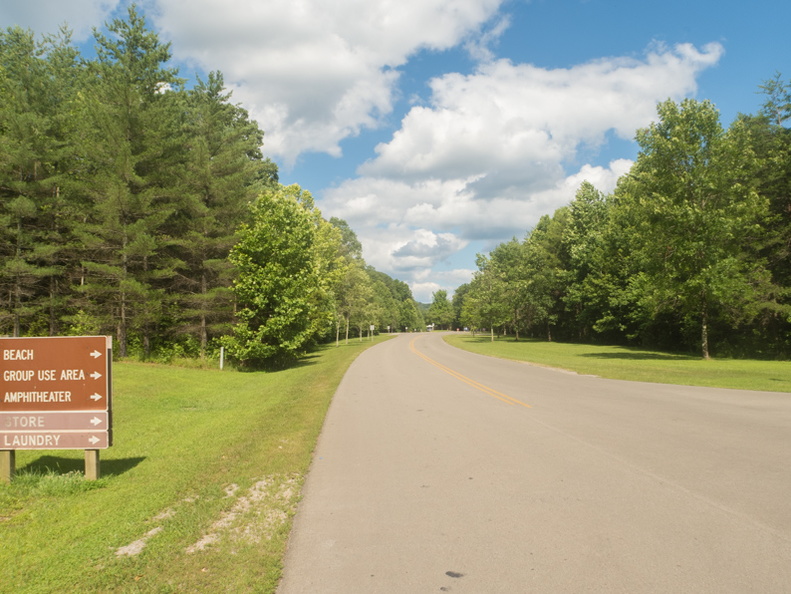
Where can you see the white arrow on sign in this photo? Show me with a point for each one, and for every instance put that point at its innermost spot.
(96, 354)
(94, 440)
(96, 421)
(96, 375)
(96, 397)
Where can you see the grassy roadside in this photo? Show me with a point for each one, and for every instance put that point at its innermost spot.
(196, 495)
(636, 364)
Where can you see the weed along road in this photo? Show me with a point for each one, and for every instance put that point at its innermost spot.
(443, 471)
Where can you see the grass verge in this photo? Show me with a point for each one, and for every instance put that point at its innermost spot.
(636, 364)
(196, 495)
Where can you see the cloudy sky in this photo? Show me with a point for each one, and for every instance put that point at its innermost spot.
(440, 128)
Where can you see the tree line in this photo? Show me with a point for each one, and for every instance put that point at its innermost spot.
(689, 253)
(302, 278)
(134, 206)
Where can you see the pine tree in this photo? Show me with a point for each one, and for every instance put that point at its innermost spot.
(36, 83)
(224, 177)
(133, 138)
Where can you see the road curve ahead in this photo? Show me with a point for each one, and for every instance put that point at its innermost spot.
(443, 471)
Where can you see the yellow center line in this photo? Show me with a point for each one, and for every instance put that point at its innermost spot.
(477, 385)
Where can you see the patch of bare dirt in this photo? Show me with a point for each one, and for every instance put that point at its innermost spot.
(256, 515)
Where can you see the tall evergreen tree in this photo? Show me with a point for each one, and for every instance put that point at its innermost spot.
(223, 179)
(133, 138)
(36, 82)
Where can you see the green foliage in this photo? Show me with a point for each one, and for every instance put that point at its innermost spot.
(82, 324)
(636, 364)
(690, 252)
(279, 290)
(190, 446)
(441, 311)
(698, 216)
(35, 82)
(352, 248)
(483, 305)
(224, 176)
(134, 137)
(122, 195)
(459, 295)
(395, 305)
(50, 483)
(364, 297)
(120, 192)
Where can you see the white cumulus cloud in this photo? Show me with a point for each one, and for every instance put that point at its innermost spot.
(47, 16)
(519, 123)
(475, 163)
(494, 150)
(313, 72)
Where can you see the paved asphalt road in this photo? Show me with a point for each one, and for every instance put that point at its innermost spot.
(442, 471)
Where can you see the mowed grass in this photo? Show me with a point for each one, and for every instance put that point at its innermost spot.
(196, 494)
(635, 364)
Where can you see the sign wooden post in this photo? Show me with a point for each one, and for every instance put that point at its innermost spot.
(92, 465)
(7, 465)
(55, 394)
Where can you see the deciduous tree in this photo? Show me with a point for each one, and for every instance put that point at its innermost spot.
(281, 295)
(693, 195)
(440, 312)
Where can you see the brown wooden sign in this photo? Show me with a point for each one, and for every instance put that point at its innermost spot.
(55, 392)
(48, 440)
(54, 421)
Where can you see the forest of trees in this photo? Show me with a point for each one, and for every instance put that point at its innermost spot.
(133, 206)
(689, 253)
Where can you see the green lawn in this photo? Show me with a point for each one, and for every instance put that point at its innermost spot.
(197, 494)
(636, 364)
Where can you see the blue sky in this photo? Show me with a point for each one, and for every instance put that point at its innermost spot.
(440, 128)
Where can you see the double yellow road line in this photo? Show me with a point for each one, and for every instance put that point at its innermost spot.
(477, 385)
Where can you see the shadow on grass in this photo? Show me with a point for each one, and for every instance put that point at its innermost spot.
(314, 357)
(627, 353)
(306, 360)
(639, 356)
(56, 464)
(487, 338)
